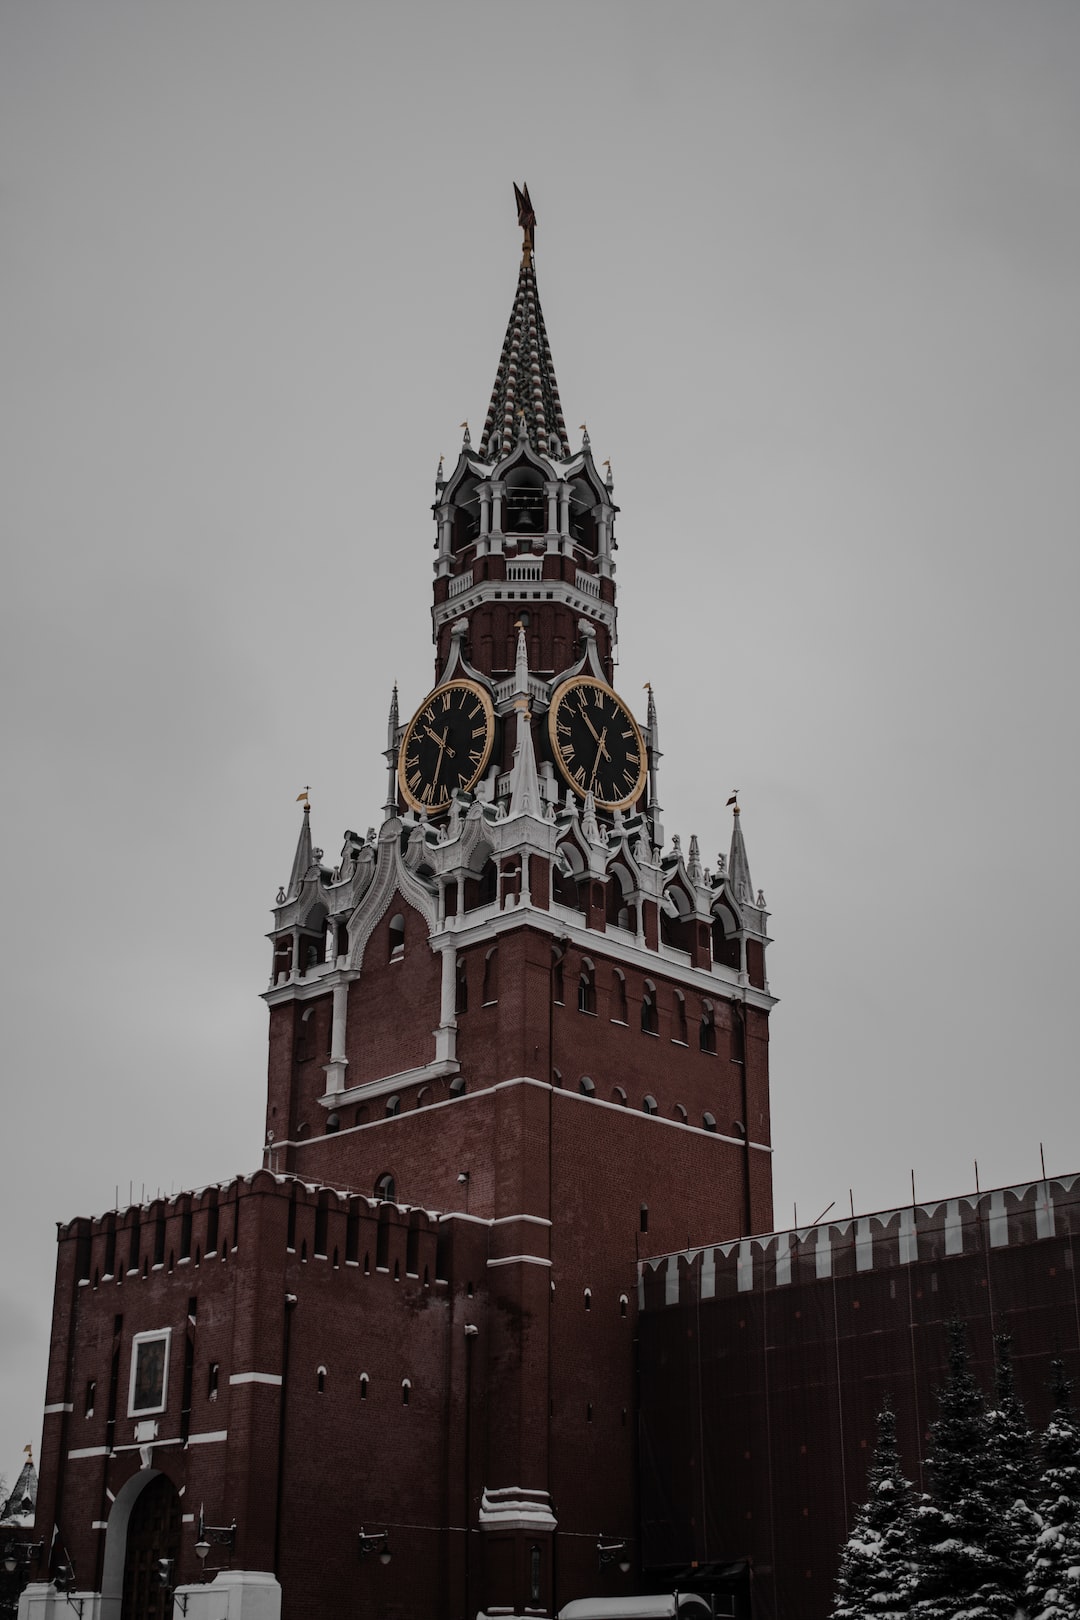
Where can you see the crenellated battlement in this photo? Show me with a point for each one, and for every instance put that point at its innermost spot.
(212, 1223)
(1001, 1218)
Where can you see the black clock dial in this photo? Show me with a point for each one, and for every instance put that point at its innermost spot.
(596, 743)
(447, 745)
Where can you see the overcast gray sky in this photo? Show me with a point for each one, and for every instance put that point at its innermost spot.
(810, 274)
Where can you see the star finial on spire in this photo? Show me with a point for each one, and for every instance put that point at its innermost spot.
(526, 219)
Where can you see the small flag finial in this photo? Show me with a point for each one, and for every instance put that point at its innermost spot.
(302, 796)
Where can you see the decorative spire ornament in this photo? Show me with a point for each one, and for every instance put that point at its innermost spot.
(303, 858)
(390, 807)
(655, 808)
(738, 864)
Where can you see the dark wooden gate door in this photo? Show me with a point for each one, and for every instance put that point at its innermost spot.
(153, 1533)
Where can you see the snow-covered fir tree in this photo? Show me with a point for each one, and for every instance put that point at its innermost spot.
(961, 1574)
(876, 1568)
(1011, 1476)
(1053, 1565)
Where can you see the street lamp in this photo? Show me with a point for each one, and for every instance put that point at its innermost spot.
(377, 1541)
(613, 1552)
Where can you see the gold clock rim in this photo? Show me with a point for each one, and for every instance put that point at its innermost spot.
(484, 695)
(553, 711)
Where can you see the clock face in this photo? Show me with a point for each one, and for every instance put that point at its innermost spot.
(596, 743)
(447, 745)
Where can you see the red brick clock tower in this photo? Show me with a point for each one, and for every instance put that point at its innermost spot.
(516, 991)
(517, 1040)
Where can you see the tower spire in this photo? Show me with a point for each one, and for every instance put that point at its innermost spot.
(739, 865)
(303, 858)
(525, 379)
(654, 807)
(390, 807)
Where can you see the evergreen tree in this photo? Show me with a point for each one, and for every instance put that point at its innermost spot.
(875, 1576)
(960, 1574)
(1011, 1477)
(1053, 1566)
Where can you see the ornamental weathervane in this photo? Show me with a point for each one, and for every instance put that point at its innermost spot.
(527, 221)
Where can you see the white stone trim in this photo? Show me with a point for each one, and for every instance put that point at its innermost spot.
(378, 1088)
(534, 1220)
(88, 1451)
(58, 1406)
(212, 1437)
(520, 1259)
(255, 1378)
(391, 877)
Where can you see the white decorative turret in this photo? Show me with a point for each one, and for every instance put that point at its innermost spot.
(392, 727)
(655, 808)
(304, 857)
(525, 797)
(739, 866)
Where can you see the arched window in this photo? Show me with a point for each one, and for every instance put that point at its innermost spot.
(643, 1219)
(586, 992)
(618, 998)
(618, 1095)
(320, 1380)
(405, 1388)
(457, 1086)
(364, 1382)
(709, 1121)
(624, 1305)
(397, 937)
(649, 1105)
(588, 1299)
(586, 1086)
(393, 1105)
(648, 1008)
(333, 1124)
(680, 1018)
(491, 976)
(305, 1040)
(681, 1115)
(707, 1028)
(461, 996)
(385, 1188)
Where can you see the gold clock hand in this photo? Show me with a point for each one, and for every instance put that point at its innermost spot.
(441, 742)
(601, 751)
(588, 722)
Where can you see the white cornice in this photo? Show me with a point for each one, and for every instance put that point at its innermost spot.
(560, 922)
(379, 1087)
(558, 590)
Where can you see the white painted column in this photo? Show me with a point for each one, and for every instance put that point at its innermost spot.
(335, 1069)
(446, 1034)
